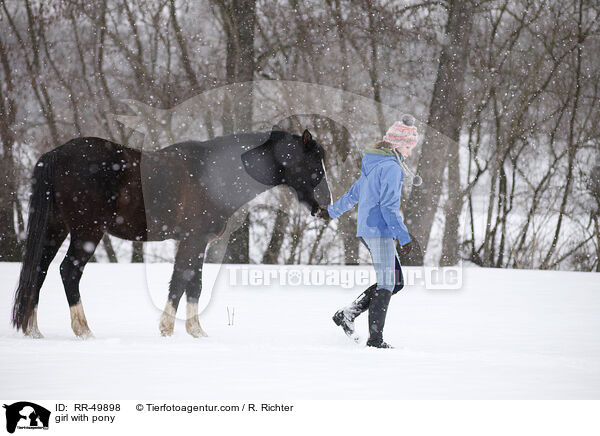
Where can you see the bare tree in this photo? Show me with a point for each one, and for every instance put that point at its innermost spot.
(9, 201)
(445, 120)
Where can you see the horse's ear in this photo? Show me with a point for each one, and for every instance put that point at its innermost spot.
(306, 138)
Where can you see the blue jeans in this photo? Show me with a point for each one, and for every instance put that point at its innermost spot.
(386, 263)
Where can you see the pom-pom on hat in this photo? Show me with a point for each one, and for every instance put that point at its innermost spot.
(402, 132)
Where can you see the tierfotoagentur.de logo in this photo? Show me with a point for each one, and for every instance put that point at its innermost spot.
(26, 415)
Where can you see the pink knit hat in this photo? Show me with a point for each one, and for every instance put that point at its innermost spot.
(402, 133)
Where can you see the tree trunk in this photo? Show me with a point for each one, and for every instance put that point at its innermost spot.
(239, 19)
(244, 12)
(271, 254)
(572, 144)
(451, 241)
(444, 122)
(347, 227)
(238, 249)
(137, 253)
(110, 251)
(9, 244)
(10, 248)
(296, 237)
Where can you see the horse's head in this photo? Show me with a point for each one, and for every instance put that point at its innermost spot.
(303, 161)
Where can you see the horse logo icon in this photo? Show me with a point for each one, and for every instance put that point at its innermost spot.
(26, 415)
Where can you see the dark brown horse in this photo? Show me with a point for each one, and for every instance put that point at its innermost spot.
(187, 192)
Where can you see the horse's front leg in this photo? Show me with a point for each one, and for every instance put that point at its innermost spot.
(192, 323)
(187, 277)
(192, 291)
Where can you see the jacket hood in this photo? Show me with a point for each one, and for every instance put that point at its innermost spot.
(370, 161)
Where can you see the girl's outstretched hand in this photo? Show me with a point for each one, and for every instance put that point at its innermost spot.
(323, 213)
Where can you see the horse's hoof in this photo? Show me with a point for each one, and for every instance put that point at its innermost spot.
(167, 325)
(86, 334)
(81, 330)
(198, 333)
(79, 322)
(167, 320)
(32, 329)
(34, 334)
(194, 329)
(166, 332)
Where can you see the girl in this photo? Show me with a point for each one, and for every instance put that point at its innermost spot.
(377, 193)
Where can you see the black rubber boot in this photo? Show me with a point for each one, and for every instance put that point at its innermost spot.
(377, 312)
(345, 317)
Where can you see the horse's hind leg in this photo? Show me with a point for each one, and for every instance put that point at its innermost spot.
(80, 252)
(182, 272)
(53, 239)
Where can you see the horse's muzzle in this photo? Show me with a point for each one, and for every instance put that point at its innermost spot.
(322, 194)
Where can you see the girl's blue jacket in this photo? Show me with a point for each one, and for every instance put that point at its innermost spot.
(377, 193)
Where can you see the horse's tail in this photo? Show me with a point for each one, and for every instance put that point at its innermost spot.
(41, 204)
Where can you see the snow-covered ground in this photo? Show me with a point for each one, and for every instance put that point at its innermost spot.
(506, 334)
